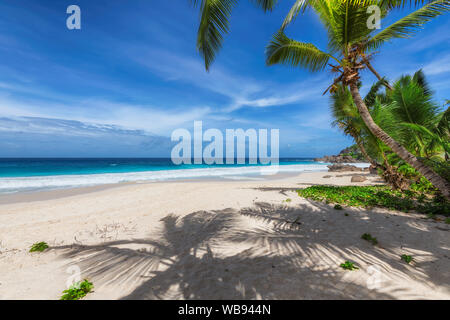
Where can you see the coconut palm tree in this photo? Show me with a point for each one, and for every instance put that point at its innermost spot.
(347, 118)
(214, 19)
(351, 45)
(412, 106)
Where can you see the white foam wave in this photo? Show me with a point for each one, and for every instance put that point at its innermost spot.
(8, 185)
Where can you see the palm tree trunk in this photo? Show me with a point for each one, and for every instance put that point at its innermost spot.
(364, 152)
(440, 183)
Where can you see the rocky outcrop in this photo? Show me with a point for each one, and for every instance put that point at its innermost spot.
(338, 159)
(344, 156)
(358, 179)
(343, 167)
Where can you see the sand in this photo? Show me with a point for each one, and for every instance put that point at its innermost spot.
(218, 240)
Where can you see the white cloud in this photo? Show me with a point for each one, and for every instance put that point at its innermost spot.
(242, 91)
(149, 118)
(438, 66)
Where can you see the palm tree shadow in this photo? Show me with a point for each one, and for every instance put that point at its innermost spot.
(312, 229)
(279, 256)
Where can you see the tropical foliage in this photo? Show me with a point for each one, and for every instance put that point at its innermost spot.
(410, 115)
(351, 46)
(377, 196)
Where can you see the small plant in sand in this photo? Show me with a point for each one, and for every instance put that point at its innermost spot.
(39, 247)
(406, 258)
(338, 207)
(346, 214)
(368, 237)
(347, 265)
(77, 291)
(288, 200)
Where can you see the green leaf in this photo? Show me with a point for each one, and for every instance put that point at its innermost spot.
(284, 50)
(214, 23)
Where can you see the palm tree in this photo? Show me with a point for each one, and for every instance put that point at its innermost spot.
(437, 134)
(412, 105)
(215, 15)
(346, 118)
(351, 45)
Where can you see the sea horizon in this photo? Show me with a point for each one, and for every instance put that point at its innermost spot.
(34, 174)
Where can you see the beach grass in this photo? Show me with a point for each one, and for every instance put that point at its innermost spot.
(39, 247)
(406, 258)
(376, 196)
(78, 290)
(370, 238)
(348, 265)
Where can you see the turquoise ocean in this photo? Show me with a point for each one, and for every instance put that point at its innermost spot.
(28, 174)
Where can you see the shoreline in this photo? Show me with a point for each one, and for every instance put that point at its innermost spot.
(23, 184)
(50, 194)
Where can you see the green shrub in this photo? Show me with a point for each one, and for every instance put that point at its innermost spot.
(347, 265)
(406, 258)
(338, 207)
(288, 200)
(376, 196)
(447, 221)
(39, 247)
(77, 291)
(368, 237)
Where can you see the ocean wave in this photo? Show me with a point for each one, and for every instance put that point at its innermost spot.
(8, 185)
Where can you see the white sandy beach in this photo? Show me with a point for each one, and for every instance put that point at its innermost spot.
(218, 240)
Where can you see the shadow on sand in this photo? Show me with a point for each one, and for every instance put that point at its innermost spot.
(263, 252)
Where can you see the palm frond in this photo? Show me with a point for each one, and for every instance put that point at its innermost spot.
(443, 125)
(391, 4)
(370, 97)
(409, 25)
(266, 5)
(284, 50)
(421, 80)
(435, 138)
(214, 23)
(299, 5)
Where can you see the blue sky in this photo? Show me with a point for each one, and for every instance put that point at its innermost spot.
(119, 86)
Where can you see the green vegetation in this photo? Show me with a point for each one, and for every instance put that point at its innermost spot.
(376, 196)
(447, 221)
(406, 258)
(288, 200)
(420, 138)
(77, 291)
(368, 237)
(338, 207)
(39, 247)
(347, 265)
(418, 132)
